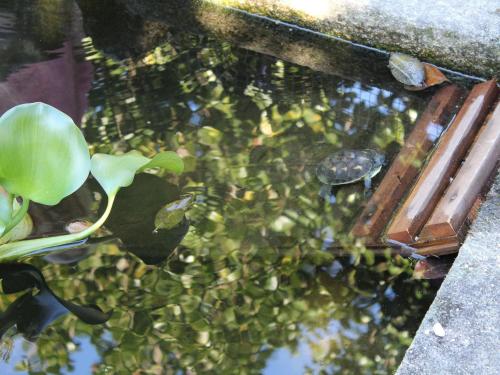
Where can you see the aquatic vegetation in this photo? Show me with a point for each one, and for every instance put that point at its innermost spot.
(173, 213)
(44, 158)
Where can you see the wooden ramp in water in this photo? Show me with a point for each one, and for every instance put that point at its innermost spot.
(430, 208)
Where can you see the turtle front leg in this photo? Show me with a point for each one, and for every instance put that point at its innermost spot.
(326, 192)
(368, 186)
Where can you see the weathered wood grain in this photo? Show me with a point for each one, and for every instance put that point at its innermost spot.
(448, 246)
(405, 167)
(452, 210)
(443, 164)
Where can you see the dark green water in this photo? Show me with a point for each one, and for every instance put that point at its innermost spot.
(246, 283)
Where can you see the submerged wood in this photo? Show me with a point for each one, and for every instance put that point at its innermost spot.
(446, 246)
(405, 167)
(452, 210)
(442, 166)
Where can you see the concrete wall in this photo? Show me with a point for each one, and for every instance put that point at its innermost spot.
(456, 34)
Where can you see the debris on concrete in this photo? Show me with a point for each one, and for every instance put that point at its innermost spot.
(438, 330)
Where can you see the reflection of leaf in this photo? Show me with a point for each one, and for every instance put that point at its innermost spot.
(189, 163)
(172, 214)
(265, 125)
(272, 283)
(209, 136)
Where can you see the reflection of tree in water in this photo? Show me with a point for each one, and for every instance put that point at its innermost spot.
(194, 80)
(167, 98)
(252, 274)
(196, 313)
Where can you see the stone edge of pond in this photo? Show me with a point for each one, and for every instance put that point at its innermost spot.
(467, 306)
(462, 36)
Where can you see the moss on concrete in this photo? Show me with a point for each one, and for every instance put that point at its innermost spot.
(431, 39)
(264, 35)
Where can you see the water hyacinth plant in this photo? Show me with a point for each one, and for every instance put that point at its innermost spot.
(44, 158)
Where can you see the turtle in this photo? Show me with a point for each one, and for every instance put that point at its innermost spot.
(348, 166)
(407, 69)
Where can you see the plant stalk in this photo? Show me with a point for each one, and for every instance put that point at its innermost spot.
(18, 249)
(18, 216)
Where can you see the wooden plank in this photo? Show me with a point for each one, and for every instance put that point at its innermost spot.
(452, 210)
(444, 162)
(405, 167)
(447, 245)
(442, 248)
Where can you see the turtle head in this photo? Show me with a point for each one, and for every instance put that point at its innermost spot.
(377, 157)
(378, 161)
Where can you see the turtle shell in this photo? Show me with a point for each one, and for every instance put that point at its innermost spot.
(407, 69)
(347, 166)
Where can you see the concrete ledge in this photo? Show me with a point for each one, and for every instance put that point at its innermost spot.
(456, 34)
(151, 21)
(467, 306)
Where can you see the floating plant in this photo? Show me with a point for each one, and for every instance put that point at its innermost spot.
(44, 158)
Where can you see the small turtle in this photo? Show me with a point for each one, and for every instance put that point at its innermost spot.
(407, 69)
(348, 166)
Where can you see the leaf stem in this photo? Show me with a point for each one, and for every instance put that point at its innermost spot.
(18, 216)
(14, 250)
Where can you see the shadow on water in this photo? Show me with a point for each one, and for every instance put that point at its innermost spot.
(131, 223)
(31, 313)
(132, 219)
(246, 280)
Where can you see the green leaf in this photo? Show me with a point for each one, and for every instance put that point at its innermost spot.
(112, 172)
(172, 213)
(44, 155)
(116, 171)
(167, 160)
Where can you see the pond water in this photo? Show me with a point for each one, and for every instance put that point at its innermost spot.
(249, 281)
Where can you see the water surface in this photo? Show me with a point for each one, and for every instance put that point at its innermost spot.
(248, 282)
